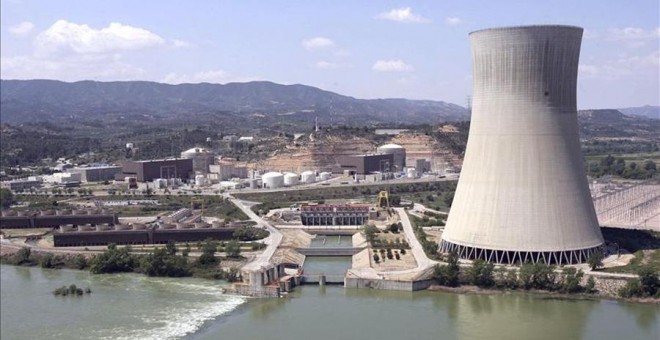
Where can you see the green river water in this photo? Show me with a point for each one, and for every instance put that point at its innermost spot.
(131, 306)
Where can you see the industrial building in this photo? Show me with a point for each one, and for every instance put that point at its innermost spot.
(21, 184)
(96, 173)
(398, 153)
(119, 235)
(366, 164)
(523, 195)
(201, 159)
(12, 219)
(422, 166)
(334, 214)
(147, 171)
(227, 171)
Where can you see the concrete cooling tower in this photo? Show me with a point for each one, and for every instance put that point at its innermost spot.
(523, 195)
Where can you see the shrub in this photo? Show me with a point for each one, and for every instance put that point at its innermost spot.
(376, 258)
(233, 249)
(537, 276)
(632, 288)
(595, 261)
(481, 273)
(447, 275)
(571, 280)
(113, 260)
(649, 280)
(249, 233)
(591, 284)
(209, 247)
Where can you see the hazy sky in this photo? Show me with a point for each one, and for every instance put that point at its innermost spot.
(365, 49)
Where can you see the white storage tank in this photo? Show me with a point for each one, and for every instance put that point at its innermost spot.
(308, 177)
(398, 153)
(272, 180)
(200, 180)
(201, 158)
(411, 173)
(325, 176)
(291, 179)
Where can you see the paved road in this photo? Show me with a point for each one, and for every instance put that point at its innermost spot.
(273, 240)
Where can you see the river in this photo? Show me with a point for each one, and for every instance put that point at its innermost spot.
(131, 306)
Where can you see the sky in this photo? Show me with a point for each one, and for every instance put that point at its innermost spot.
(364, 49)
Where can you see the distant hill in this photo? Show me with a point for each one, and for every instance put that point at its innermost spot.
(613, 123)
(647, 111)
(249, 103)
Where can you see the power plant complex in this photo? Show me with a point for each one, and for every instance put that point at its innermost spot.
(523, 195)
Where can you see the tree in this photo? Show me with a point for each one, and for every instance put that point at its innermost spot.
(481, 273)
(537, 276)
(233, 249)
(649, 280)
(571, 280)
(595, 260)
(113, 260)
(591, 284)
(23, 256)
(6, 198)
(447, 275)
(209, 247)
(171, 248)
(163, 263)
(369, 231)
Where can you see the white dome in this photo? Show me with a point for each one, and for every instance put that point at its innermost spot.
(391, 146)
(271, 174)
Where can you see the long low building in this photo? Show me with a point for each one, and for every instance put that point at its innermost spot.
(146, 236)
(96, 173)
(334, 214)
(366, 164)
(33, 220)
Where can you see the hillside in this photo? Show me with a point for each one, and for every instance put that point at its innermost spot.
(647, 111)
(255, 103)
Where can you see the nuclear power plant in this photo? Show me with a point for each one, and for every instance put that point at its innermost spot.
(523, 195)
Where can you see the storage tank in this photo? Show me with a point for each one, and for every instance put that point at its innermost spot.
(201, 158)
(200, 180)
(254, 183)
(397, 152)
(325, 176)
(291, 179)
(411, 173)
(308, 177)
(272, 180)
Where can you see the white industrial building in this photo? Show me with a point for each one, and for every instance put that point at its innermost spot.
(96, 173)
(523, 195)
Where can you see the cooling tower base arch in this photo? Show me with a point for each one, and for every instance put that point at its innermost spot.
(511, 257)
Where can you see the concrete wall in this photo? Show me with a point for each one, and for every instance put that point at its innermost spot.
(409, 286)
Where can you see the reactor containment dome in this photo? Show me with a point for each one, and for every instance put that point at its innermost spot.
(523, 194)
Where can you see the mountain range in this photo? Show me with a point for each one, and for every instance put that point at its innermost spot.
(251, 102)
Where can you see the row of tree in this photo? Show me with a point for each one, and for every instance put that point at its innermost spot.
(615, 166)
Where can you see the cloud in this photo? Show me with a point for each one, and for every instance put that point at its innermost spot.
(181, 44)
(211, 76)
(318, 43)
(80, 38)
(452, 21)
(634, 36)
(628, 66)
(391, 66)
(73, 68)
(329, 65)
(403, 14)
(21, 29)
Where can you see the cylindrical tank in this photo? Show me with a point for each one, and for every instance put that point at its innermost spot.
(398, 154)
(122, 227)
(291, 179)
(272, 180)
(523, 195)
(138, 226)
(411, 173)
(254, 183)
(325, 176)
(308, 177)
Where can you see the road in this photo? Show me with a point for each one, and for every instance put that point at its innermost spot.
(272, 241)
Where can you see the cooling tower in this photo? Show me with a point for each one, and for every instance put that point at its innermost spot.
(522, 194)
